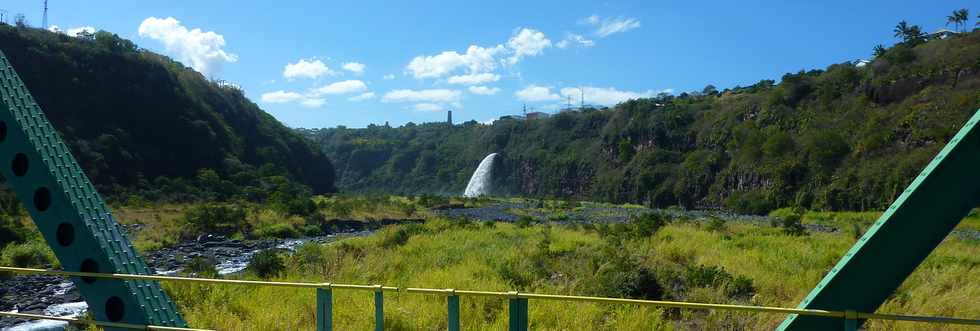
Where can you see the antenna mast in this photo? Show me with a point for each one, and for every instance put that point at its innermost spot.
(44, 20)
(581, 102)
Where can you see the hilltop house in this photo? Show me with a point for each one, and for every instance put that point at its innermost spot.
(941, 34)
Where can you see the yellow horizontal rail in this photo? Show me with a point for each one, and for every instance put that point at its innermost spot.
(512, 294)
(73, 320)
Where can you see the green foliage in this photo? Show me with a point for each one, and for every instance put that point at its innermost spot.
(399, 235)
(201, 267)
(11, 230)
(717, 277)
(215, 218)
(276, 230)
(839, 138)
(792, 223)
(716, 224)
(33, 254)
(142, 124)
(524, 221)
(266, 264)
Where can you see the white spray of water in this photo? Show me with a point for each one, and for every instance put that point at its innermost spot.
(71, 309)
(480, 182)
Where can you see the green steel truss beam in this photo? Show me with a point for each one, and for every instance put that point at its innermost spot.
(71, 215)
(902, 237)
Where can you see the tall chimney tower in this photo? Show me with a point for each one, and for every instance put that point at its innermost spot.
(449, 117)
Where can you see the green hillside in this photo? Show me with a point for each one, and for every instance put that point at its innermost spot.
(848, 137)
(140, 123)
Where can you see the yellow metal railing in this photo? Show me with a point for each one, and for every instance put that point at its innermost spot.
(518, 302)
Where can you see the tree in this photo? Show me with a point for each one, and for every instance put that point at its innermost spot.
(901, 30)
(910, 34)
(879, 50)
(959, 19)
(709, 90)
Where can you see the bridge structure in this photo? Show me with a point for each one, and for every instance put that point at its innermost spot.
(123, 294)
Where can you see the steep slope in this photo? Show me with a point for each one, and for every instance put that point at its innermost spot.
(848, 137)
(131, 115)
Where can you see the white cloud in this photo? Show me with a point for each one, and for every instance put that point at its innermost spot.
(609, 26)
(312, 102)
(54, 28)
(527, 42)
(388, 77)
(483, 90)
(429, 96)
(288, 97)
(281, 97)
(342, 87)
(476, 59)
(304, 68)
(473, 79)
(355, 67)
(362, 97)
(572, 39)
(607, 96)
(73, 32)
(534, 93)
(430, 107)
(591, 20)
(203, 50)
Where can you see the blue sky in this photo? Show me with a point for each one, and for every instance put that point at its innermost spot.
(322, 64)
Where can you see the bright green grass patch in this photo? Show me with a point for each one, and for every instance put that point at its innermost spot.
(568, 260)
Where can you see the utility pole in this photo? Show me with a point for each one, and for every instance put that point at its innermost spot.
(44, 19)
(3, 16)
(581, 104)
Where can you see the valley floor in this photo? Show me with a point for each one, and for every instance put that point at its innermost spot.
(546, 248)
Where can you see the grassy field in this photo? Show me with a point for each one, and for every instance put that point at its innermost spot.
(651, 258)
(682, 261)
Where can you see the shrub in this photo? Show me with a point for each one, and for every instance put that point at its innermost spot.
(214, 218)
(620, 275)
(276, 230)
(266, 264)
(792, 224)
(716, 225)
(309, 255)
(489, 224)
(11, 230)
(717, 277)
(33, 254)
(400, 235)
(524, 221)
(202, 267)
(647, 224)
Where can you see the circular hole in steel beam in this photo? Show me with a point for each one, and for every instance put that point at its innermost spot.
(114, 309)
(89, 265)
(19, 165)
(65, 234)
(42, 199)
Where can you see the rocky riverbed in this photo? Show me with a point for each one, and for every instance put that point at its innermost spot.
(55, 296)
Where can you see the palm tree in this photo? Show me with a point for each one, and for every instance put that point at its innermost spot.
(959, 19)
(879, 50)
(902, 29)
(914, 34)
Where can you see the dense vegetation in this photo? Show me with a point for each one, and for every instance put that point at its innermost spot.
(655, 258)
(849, 137)
(142, 124)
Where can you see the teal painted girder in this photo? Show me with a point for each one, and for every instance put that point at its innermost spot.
(71, 215)
(904, 235)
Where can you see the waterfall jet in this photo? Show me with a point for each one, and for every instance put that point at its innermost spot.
(480, 181)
